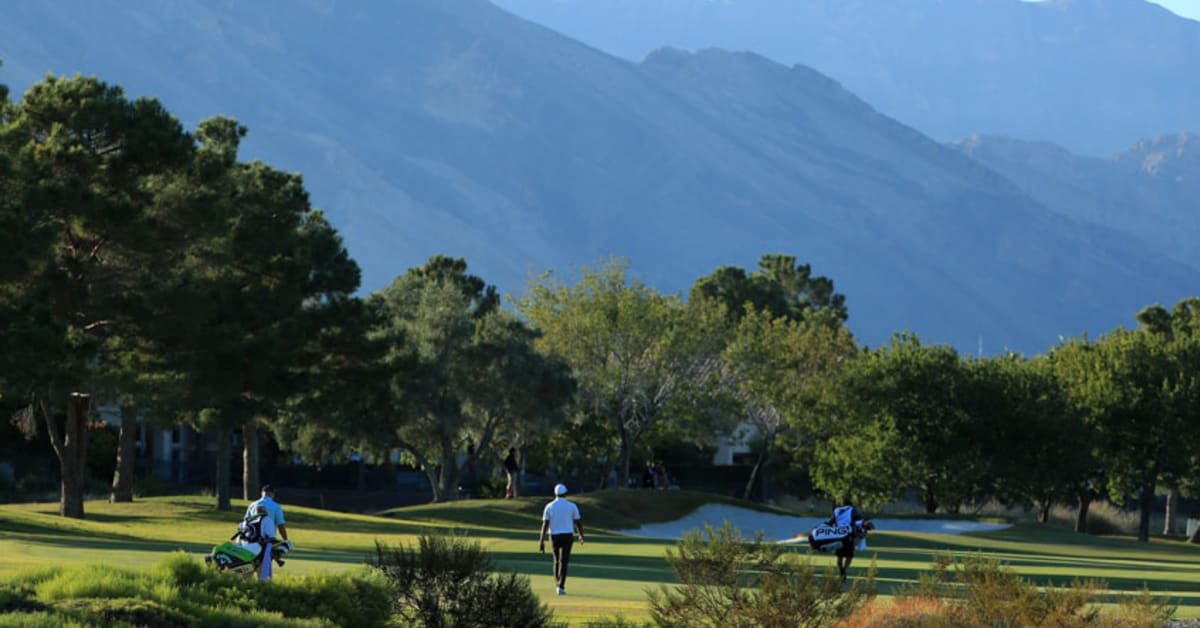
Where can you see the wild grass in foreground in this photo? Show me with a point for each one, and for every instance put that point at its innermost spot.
(180, 591)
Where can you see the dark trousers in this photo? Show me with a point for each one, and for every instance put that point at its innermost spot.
(561, 543)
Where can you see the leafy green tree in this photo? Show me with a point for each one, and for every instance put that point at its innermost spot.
(347, 404)
(1126, 385)
(1033, 446)
(779, 286)
(781, 368)
(258, 291)
(472, 372)
(88, 159)
(1179, 331)
(898, 423)
(642, 360)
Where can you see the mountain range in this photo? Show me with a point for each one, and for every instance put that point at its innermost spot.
(1150, 191)
(1093, 76)
(434, 127)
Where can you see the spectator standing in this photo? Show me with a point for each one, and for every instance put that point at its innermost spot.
(510, 470)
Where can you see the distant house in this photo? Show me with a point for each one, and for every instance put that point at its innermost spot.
(176, 455)
(735, 448)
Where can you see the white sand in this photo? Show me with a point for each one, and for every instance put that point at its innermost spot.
(785, 528)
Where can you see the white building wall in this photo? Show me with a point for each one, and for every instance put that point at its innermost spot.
(734, 444)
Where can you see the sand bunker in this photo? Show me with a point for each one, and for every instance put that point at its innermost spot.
(785, 528)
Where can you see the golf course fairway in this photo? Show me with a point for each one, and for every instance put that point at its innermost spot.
(609, 574)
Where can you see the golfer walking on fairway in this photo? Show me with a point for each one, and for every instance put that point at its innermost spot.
(560, 519)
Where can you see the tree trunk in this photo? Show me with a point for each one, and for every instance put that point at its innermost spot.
(1085, 502)
(71, 446)
(1044, 508)
(753, 475)
(224, 436)
(519, 484)
(1169, 525)
(1146, 507)
(250, 476)
(931, 504)
(626, 455)
(122, 483)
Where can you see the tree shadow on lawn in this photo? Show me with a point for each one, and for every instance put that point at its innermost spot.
(46, 532)
(590, 565)
(112, 543)
(1036, 548)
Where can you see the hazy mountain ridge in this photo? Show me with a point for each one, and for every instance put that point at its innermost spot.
(1092, 75)
(430, 127)
(1151, 191)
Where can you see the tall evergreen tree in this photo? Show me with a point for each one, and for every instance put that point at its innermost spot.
(88, 159)
(780, 286)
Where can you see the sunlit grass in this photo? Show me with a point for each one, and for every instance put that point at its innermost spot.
(609, 574)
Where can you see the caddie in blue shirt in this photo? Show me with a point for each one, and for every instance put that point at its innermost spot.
(560, 519)
(274, 510)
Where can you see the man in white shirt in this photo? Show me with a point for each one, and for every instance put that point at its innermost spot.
(560, 519)
(259, 530)
(274, 510)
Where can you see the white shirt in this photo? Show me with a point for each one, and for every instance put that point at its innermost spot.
(562, 515)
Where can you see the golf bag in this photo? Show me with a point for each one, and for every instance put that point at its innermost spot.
(830, 538)
(243, 552)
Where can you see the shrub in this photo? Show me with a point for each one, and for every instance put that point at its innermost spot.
(926, 612)
(181, 592)
(347, 599)
(1143, 609)
(618, 621)
(984, 592)
(16, 598)
(39, 620)
(448, 581)
(726, 580)
(128, 611)
(90, 581)
(182, 569)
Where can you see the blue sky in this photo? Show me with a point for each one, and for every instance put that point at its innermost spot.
(1186, 8)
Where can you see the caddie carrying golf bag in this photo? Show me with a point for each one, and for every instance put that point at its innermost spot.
(831, 538)
(243, 552)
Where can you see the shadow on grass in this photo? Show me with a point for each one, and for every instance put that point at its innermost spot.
(590, 565)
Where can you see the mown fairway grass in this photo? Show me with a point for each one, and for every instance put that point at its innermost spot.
(609, 574)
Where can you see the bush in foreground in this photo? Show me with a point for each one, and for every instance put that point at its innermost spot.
(979, 592)
(726, 580)
(182, 592)
(447, 581)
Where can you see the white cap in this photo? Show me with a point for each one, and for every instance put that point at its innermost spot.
(560, 489)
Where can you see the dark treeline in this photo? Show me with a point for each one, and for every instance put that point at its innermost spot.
(148, 267)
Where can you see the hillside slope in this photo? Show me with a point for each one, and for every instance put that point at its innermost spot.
(1092, 75)
(428, 127)
(1151, 190)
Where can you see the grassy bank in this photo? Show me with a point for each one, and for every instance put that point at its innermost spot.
(609, 574)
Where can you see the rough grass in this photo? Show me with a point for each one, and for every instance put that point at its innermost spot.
(609, 574)
(181, 592)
